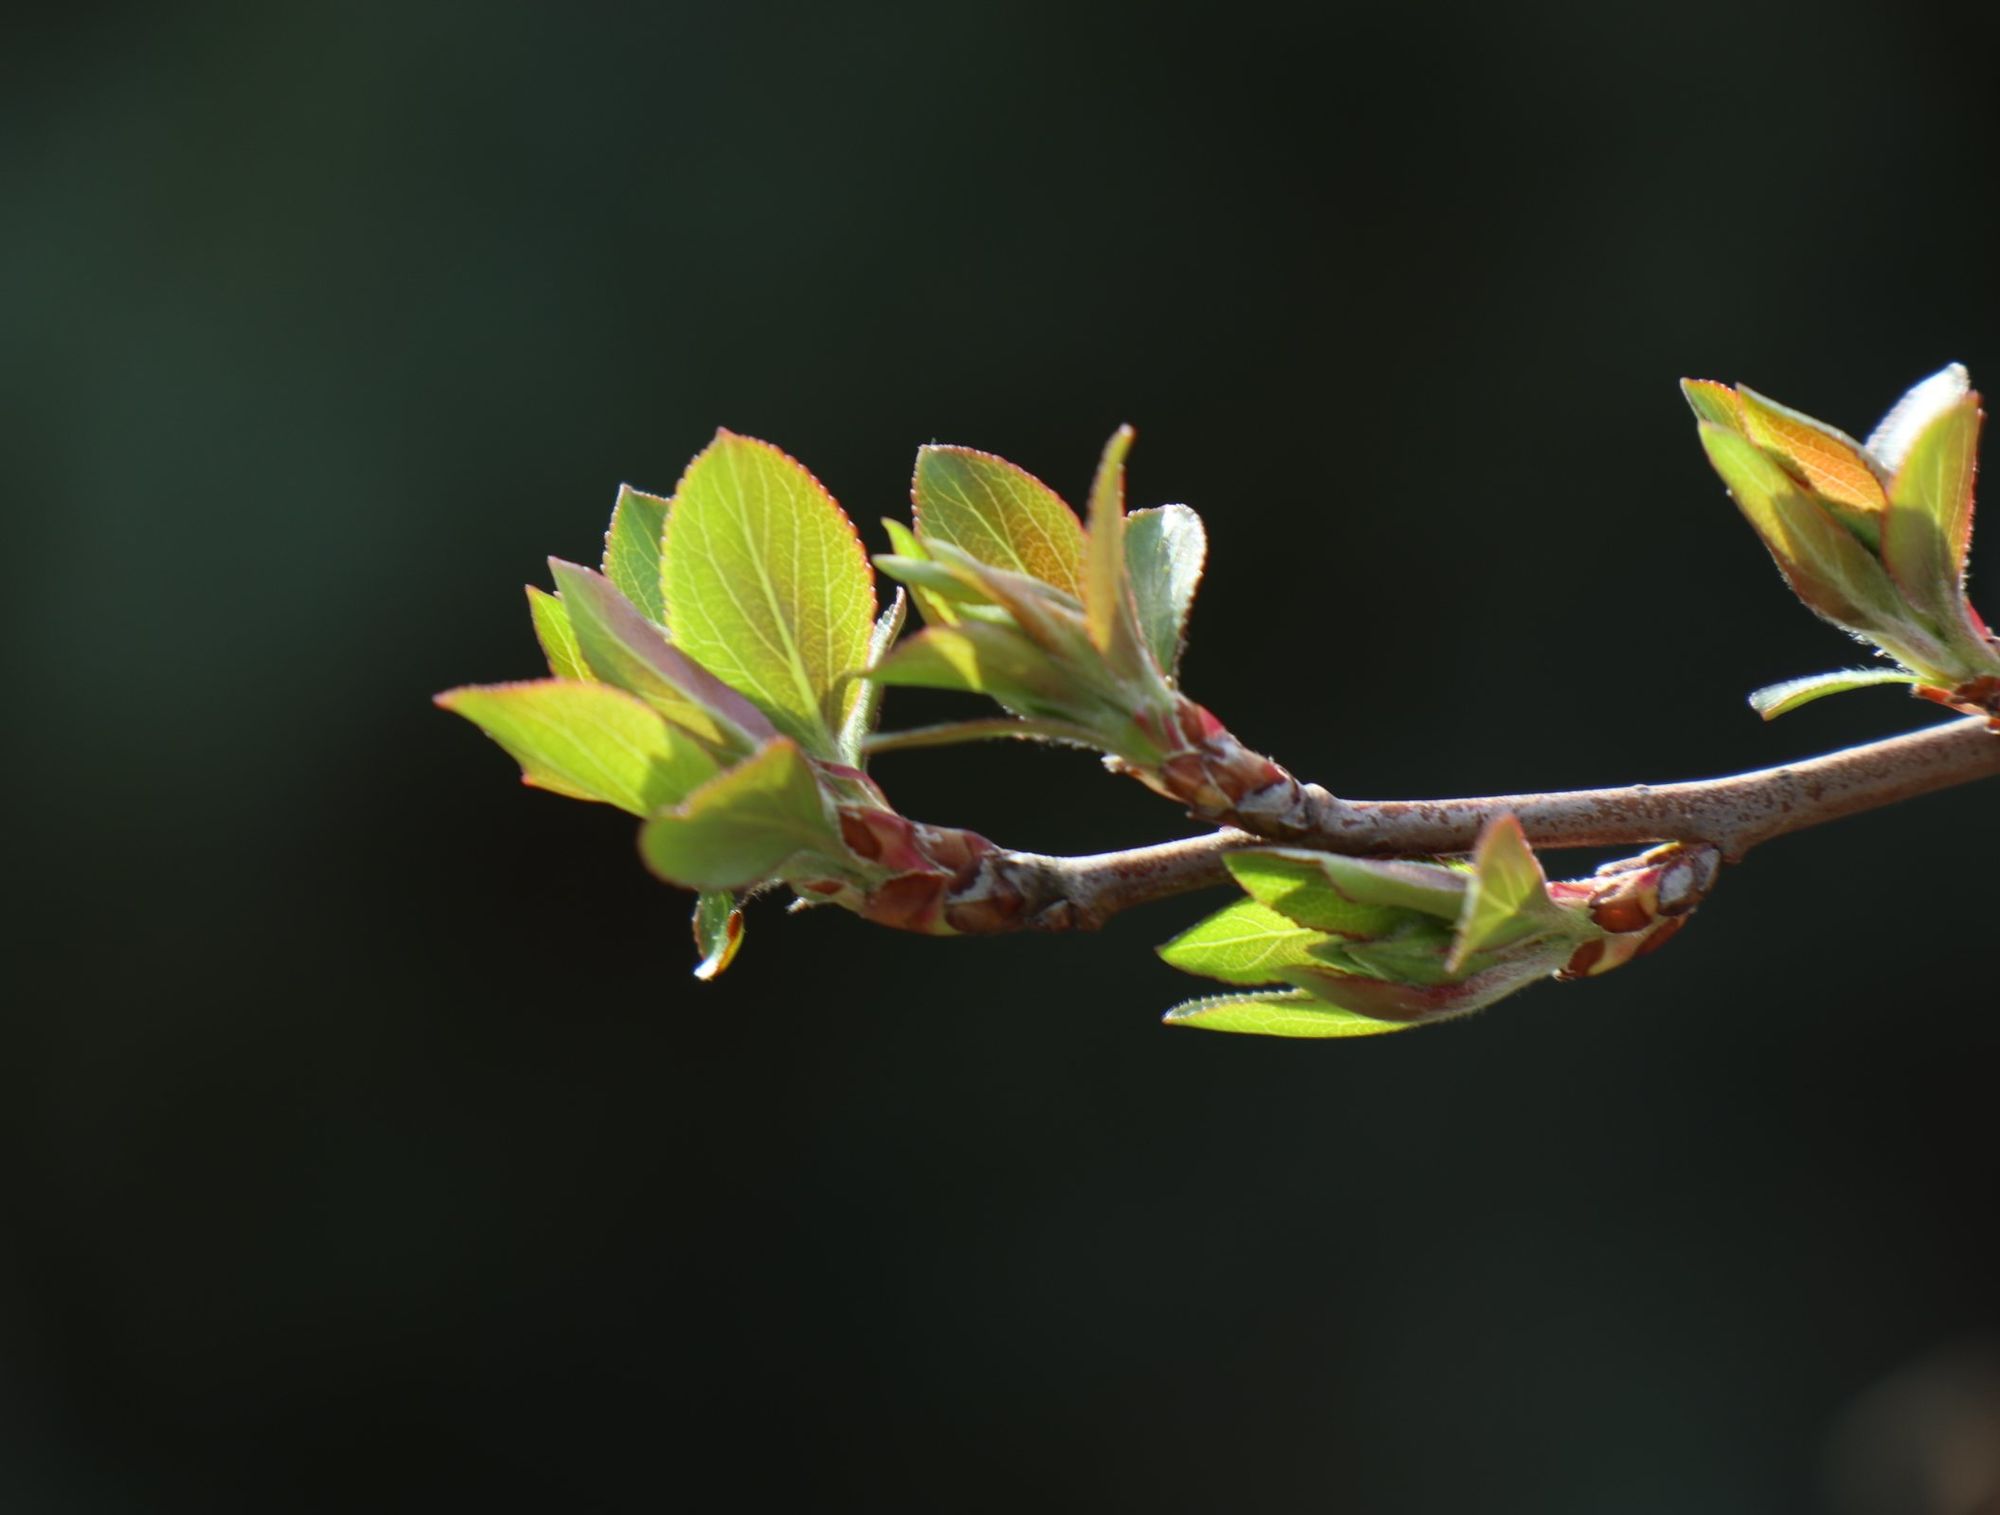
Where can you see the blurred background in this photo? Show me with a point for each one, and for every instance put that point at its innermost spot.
(367, 1143)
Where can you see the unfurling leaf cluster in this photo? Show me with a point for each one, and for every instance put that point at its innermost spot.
(720, 675)
(1359, 946)
(1873, 536)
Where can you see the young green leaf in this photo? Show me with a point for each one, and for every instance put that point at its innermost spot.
(1433, 889)
(1775, 700)
(867, 710)
(1291, 1013)
(1830, 462)
(1045, 615)
(990, 660)
(1508, 900)
(1419, 953)
(586, 741)
(632, 550)
(936, 608)
(1295, 883)
(931, 577)
(622, 647)
(1164, 549)
(1929, 529)
(1004, 728)
(1890, 442)
(1386, 1000)
(1242, 943)
(1826, 566)
(718, 932)
(766, 585)
(998, 513)
(1834, 574)
(557, 636)
(743, 826)
(1107, 587)
(1713, 402)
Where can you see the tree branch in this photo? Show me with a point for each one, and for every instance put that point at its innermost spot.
(1733, 814)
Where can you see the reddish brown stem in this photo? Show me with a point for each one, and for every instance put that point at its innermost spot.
(1031, 891)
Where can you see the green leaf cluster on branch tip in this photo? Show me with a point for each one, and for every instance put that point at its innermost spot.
(1358, 947)
(721, 676)
(1872, 536)
(1076, 632)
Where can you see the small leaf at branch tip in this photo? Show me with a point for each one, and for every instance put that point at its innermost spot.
(1829, 462)
(632, 549)
(742, 826)
(1284, 1013)
(1890, 442)
(587, 741)
(1243, 943)
(1713, 402)
(1775, 700)
(718, 932)
(620, 646)
(1165, 551)
(1929, 529)
(867, 711)
(998, 513)
(1508, 900)
(557, 636)
(747, 516)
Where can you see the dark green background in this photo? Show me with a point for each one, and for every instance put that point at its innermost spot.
(368, 1144)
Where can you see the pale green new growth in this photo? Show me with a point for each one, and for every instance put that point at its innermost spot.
(718, 932)
(1245, 943)
(744, 825)
(999, 514)
(1164, 550)
(632, 550)
(766, 585)
(1775, 700)
(587, 741)
(1278, 1012)
(556, 636)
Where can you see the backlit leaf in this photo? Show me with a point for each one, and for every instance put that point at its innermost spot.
(1419, 953)
(998, 513)
(1386, 1000)
(718, 932)
(1243, 943)
(632, 550)
(1433, 889)
(622, 647)
(587, 741)
(1832, 572)
(1823, 562)
(1829, 461)
(1050, 618)
(935, 608)
(1929, 530)
(1890, 443)
(1164, 549)
(744, 825)
(766, 586)
(1713, 402)
(989, 660)
(1295, 883)
(1278, 1013)
(1107, 593)
(868, 709)
(1508, 899)
(557, 636)
(1775, 700)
